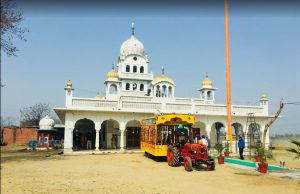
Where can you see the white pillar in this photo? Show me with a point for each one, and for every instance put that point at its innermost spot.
(68, 139)
(208, 129)
(97, 139)
(122, 128)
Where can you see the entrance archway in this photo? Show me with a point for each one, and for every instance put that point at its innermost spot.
(133, 129)
(84, 135)
(236, 132)
(198, 129)
(217, 133)
(110, 135)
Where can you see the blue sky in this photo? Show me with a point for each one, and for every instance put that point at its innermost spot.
(68, 44)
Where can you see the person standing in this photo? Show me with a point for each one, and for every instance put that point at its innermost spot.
(208, 142)
(204, 141)
(241, 145)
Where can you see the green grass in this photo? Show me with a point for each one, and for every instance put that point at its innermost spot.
(251, 164)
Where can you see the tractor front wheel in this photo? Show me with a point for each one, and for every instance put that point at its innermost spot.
(172, 156)
(188, 164)
(211, 164)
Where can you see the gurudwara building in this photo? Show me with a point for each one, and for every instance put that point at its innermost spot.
(112, 121)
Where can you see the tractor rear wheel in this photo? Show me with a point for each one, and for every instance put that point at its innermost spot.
(173, 156)
(188, 164)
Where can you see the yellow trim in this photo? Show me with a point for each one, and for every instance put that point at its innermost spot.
(175, 118)
(155, 150)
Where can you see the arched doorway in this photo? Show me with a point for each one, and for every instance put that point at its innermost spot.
(110, 135)
(236, 132)
(84, 135)
(198, 129)
(217, 133)
(133, 129)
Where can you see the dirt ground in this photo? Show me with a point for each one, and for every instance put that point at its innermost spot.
(47, 172)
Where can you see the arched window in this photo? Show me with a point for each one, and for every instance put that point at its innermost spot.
(142, 87)
(164, 91)
(134, 86)
(209, 97)
(134, 69)
(127, 68)
(141, 69)
(157, 91)
(127, 86)
(113, 89)
(170, 91)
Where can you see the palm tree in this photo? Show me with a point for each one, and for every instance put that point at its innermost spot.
(297, 150)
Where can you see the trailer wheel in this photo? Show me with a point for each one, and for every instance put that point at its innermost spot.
(188, 164)
(172, 156)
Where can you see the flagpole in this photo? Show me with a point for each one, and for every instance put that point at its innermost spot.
(228, 90)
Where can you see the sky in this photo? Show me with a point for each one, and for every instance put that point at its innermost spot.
(81, 41)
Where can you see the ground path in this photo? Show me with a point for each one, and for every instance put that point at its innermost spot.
(42, 172)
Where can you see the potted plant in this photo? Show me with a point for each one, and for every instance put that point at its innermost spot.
(265, 154)
(258, 151)
(226, 153)
(219, 147)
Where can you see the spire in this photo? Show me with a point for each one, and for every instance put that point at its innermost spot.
(162, 70)
(132, 29)
(113, 67)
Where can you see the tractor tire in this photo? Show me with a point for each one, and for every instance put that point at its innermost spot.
(173, 156)
(188, 164)
(211, 164)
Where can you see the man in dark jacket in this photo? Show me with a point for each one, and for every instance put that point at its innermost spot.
(241, 145)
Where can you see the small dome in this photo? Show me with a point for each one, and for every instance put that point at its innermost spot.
(132, 46)
(46, 123)
(206, 83)
(98, 96)
(112, 74)
(263, 97)
(69, 84)
(162, 78)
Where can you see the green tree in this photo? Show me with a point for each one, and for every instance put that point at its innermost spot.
(295, 150)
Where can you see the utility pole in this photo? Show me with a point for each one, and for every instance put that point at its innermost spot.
(228, 90)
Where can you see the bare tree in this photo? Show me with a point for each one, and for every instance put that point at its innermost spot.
(11, 18)
(32, 115)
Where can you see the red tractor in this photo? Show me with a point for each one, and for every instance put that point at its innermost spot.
(191, 154)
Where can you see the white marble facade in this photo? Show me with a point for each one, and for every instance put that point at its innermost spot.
(132, 93)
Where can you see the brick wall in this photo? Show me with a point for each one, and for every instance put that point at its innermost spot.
(19, 136)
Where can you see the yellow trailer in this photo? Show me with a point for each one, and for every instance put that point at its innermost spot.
(158, 132)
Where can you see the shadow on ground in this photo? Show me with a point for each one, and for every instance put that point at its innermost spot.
(18, 155)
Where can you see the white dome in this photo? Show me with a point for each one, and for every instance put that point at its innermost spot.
(132, 46)
(46, 123)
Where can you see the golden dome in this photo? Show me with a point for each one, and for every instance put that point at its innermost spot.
(112, 74)
(98, 96)
(69, 84)
(161, 78)
(206, 82)
(263, 97)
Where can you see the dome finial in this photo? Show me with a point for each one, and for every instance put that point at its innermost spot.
(113, 66)
(162, 70)
(132, 29)
(206, 75)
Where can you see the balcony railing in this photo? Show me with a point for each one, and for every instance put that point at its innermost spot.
(136, 76)
(148, 104)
